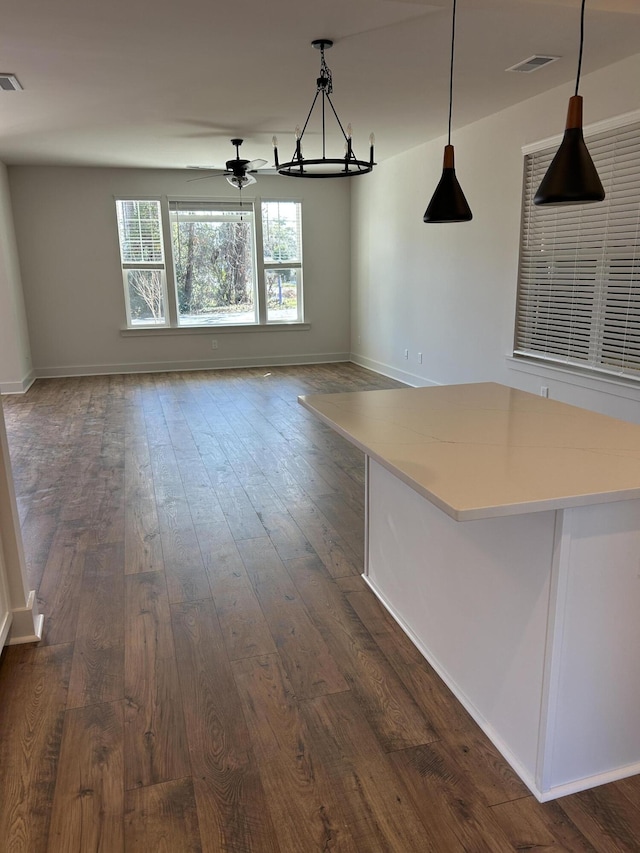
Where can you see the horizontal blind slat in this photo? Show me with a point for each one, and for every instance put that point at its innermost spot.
(579, 272)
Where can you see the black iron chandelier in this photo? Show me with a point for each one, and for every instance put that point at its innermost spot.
(324, 167)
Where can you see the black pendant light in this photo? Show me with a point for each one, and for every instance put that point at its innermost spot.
(572, 178)
(448, 203)
(324, 167)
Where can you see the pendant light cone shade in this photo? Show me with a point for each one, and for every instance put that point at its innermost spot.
(571, 178)
(448, 203)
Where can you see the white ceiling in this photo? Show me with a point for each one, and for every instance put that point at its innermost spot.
(159, 83)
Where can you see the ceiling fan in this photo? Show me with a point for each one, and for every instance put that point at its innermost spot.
(238, 172)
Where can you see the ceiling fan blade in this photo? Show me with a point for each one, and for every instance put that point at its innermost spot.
(252, 165)
(204, 177)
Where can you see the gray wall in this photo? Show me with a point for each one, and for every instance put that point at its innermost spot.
(68, 245)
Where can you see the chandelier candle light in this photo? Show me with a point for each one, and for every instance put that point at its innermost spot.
(324, 167)
(572, 178)
(448, 203)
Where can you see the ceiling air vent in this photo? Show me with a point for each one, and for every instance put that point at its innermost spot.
(9, 83)
(533, 63)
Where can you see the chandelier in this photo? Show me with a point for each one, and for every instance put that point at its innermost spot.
(346, 166)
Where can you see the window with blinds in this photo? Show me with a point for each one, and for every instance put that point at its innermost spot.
(579, 279)
(230, 263)
(140, 231)
(142, 257)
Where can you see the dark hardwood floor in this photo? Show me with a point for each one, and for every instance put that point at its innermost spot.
(214, 674)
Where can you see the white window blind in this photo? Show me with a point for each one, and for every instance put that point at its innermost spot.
(142, 257)
(579, 279)
(140, 230)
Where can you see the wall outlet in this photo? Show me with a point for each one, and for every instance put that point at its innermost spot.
(544, 390)
(406, 353)
(419, 358)
(214, 344)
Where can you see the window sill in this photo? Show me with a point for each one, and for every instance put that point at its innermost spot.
(151, 331)
(619, 387)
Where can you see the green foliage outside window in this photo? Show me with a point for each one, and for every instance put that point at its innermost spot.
(213, 265)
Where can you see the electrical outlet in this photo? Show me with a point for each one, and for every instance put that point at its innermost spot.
(406, 353)
(214, 344)
(544, 390)
(419, 358)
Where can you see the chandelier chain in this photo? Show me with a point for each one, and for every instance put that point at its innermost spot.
(325, 81)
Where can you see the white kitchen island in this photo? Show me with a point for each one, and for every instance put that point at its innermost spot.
(503, 535)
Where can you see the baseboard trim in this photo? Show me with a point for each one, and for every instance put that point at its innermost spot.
(20, 387)
(175, 366)
(5, 626)
(27, 624)
(383, 369)
(69, 371)
(587, 783)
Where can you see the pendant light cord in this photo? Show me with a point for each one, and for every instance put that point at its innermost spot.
(453, 41)
(581, 45)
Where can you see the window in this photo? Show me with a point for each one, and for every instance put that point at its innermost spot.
(579, 280)
(282, 256)
(213, 257)
(233, 264)
(142, 257)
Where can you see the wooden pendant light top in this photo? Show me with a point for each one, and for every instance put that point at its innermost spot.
(448, 157)
(574, 113)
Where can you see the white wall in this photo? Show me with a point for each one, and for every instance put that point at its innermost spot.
(15, 357)
(448, 291)
(26, 622)
(68, 243)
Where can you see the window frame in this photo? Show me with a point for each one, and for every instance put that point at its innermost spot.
(127, 266)
(271, 265)
(172, 325)
(248, 207)
(613, 148)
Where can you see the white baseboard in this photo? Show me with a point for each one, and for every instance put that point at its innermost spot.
(174, 366)
(392, 372)
(27, 623)
(5, 625)
(19, 387)
(61, 372)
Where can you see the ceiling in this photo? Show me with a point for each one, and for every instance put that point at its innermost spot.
(159, 83)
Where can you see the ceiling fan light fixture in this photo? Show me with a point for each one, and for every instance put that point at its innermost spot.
(241, 181)
(347, 166)
(448, 203)
(572, 177)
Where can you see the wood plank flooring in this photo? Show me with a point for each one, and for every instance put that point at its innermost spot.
(214, 674)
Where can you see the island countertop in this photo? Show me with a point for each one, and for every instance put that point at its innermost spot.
(484, 450)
